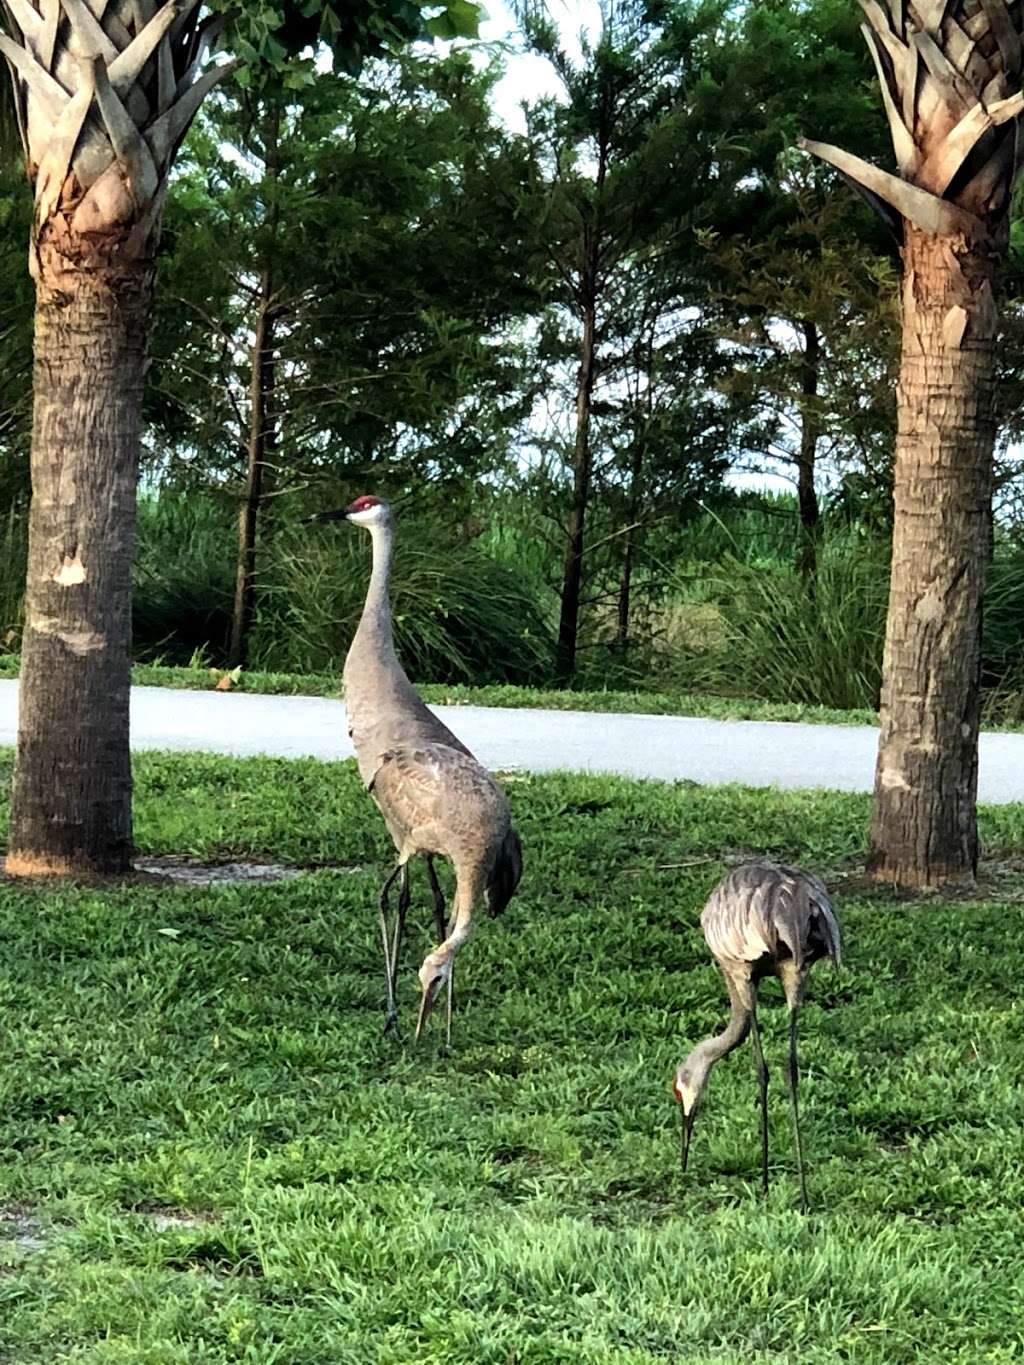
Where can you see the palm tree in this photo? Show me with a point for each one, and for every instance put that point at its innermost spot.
(104, 95)
(950, 76)
(105, 91)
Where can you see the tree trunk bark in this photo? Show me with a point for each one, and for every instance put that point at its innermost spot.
(71, 809)
(260, 447)
(101, 110)
(568, 621)
(628, 549)
(810, 431)
(923, 823)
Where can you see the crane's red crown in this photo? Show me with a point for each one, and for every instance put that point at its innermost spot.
(363, 503)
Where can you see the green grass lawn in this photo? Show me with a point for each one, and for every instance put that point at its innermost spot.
(227, 1161)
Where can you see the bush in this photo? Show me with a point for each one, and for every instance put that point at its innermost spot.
(13, 555)
(184, 579)
(780, 639)
(459, 616)
(1003, 641)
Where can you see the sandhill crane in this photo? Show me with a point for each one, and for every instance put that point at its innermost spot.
(760, 920)
(434, 796)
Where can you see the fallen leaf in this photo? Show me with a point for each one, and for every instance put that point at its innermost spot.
(225, 683)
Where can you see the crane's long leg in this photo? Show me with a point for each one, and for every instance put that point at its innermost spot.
(449, 1007)
(435, 886)
(793, 1081)
(399, 931)
(392, 1014)
(442, 934)
(762, 1085)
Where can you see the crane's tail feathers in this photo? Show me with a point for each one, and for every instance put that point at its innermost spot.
(804, 920)
(828, 927)
(789, 919)
(508, 869)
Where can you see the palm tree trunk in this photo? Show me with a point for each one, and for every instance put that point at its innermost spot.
(923, 825)
(103, 98)
(572, 577)
(953, 103)
(260, 447)
(72, 783)
(810, 431)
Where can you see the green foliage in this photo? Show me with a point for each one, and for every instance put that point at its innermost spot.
(760, 529)
(271, 37)
(787, 640)
(13, 554)
(1003, 637)
(228, 1162)
(16, 322)
(184, 578)
(458, 614)
(355, 210)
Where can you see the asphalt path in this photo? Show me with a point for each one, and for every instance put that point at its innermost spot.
(670, 748)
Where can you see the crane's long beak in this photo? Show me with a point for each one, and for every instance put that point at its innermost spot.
(687, 1133)
(339, 514)
(429, 996)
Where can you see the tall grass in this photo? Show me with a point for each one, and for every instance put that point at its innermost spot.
(720, 609)
(779, 638)
(184, 578)
(13, 554)
(459, 616)
(759, 531)
(1003, 649)
(523, 547)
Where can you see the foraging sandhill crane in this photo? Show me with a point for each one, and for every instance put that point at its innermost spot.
(760, 920)
(433, 794)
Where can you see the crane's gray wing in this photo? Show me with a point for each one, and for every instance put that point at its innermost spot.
(736, 919)
(758, 906)
(506, 874)
(804, 918)
(419, 785)
(824, 923)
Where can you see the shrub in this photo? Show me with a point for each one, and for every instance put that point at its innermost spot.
(13, 554)
(780, 639)
(459, 616)
(184, 578)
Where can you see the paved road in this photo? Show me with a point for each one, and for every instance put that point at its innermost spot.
(758, 753)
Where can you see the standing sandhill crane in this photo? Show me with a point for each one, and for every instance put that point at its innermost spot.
(434, 796)
(760, 920)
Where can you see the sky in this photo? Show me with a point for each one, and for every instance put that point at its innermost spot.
(528, 77)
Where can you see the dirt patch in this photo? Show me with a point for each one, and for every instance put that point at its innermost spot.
(21, 1230)
(193, 872)
(999, 879)
(164, 1219)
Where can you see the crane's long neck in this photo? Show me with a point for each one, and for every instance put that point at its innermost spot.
(712, 1050)
(374, 632)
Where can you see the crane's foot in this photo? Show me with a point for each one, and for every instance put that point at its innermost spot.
(391, 1024)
